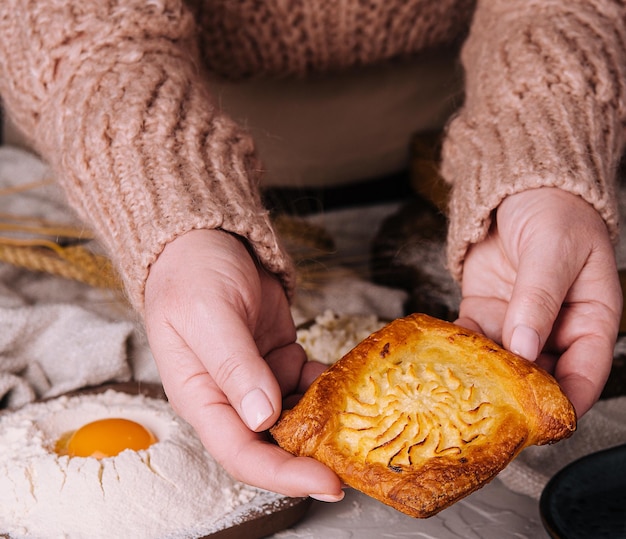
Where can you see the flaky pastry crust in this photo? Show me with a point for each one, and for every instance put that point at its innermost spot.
(424, 412)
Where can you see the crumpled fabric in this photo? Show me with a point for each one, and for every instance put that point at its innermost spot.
(56, 335)
(47, 350)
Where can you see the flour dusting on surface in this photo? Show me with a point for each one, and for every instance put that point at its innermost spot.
(173, 489)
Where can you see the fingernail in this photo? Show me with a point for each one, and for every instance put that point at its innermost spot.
(525, 342)
(327, 497)
(256, 408)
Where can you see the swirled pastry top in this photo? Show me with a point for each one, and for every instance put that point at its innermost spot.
(424, 412)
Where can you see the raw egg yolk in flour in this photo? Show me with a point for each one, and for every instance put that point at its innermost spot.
(105, 438)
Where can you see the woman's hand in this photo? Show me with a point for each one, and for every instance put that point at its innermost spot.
(223, 338)
(544, 283)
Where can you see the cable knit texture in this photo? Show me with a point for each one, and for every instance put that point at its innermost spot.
(113, 95)
(545, 106)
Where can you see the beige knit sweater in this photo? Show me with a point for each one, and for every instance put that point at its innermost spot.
(113, 94)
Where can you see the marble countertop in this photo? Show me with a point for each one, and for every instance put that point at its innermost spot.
(493, 512)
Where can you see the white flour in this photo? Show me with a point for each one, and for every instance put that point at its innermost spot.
(172, 489)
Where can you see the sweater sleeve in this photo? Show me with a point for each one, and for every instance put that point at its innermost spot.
(545, 105)
(112, 96)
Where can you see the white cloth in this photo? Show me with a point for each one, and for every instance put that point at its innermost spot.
(52, 349)
(57, 335)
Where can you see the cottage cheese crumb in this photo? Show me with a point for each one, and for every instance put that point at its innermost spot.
(332, 335)
(172, 489)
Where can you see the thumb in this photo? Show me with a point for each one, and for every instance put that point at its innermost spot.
(233, 361)
(538, 293)
(216, 361)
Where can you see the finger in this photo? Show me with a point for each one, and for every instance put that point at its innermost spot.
(274, 323)
(275, 336)
(583, 370)
(242, 452)
(246, 455)
(468, 323)
(541, 286)
(547, 362)
(287, 363)
(310, 371)
(223, 348)
(230, 355)
(252, 460)
(483, 315)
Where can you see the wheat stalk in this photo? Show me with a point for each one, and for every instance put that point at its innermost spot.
(41, 245)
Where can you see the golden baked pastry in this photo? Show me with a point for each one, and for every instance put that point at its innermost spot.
(424, 412)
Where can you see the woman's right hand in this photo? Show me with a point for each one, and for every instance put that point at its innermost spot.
(224, 341)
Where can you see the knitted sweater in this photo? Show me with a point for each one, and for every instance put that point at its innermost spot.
(114, 96)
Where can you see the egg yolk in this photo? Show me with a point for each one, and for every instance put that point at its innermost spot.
(106, 438)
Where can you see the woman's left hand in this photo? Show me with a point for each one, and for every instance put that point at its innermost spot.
(544, 283)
